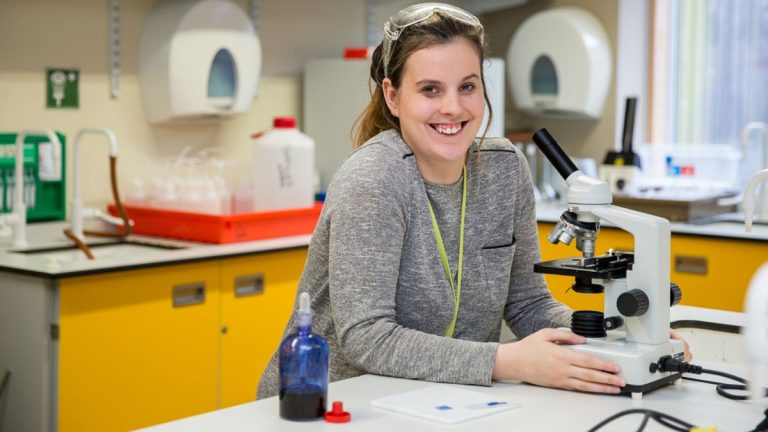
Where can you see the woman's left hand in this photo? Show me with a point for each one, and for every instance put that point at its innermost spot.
(687, 355)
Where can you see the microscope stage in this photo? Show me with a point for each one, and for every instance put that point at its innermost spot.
(603, 267)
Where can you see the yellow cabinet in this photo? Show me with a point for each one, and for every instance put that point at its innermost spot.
(256, 301)
(712, 272)
(146, 346)
(138, 347)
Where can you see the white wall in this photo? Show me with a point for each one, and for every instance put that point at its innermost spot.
(37, 34)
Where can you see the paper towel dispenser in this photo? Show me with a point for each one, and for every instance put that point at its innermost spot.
(198, 59)
(560, 64)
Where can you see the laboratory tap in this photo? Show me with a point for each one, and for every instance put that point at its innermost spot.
(76, 232)
(748, 204)
(76, 205)
(761, 203)
(19, 206)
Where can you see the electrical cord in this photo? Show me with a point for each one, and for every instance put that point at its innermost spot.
(3, 386)
(667, 420)
(6, 379)
(670, 364)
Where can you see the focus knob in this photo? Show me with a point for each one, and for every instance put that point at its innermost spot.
(632, 303)
(675, 295)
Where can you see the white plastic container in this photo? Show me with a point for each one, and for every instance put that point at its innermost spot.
(283, 166)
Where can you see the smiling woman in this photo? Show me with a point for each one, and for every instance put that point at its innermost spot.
(428, 235)
(440, 107)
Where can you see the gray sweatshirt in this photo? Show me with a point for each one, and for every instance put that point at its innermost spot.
(379, 292)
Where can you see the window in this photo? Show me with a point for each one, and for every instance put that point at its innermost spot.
(710, 75)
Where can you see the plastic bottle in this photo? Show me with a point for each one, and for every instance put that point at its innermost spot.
(303, 369)
(283, 166)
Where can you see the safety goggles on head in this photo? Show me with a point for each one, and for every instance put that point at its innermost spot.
(415, 14)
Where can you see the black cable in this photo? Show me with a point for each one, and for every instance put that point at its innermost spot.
(6, 379)
(763, 425)
(3, 386)
(669, 364)
(725, 375)
(643, 423)
(667, 420)
(721, 388)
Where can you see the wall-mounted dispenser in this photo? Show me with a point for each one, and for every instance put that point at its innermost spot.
(560, 64)
(198, 59)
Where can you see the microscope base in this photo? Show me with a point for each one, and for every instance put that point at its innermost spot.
(635, 360)
(637, 391)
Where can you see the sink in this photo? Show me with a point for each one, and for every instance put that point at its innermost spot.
(107, 250)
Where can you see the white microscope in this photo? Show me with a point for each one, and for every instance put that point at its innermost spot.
(633, 330)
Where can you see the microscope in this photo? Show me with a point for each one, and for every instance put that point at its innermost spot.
(633, 329)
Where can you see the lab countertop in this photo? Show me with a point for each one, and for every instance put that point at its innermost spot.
(50, 235)
(540, 409)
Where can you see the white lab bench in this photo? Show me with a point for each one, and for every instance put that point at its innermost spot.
(541, 409)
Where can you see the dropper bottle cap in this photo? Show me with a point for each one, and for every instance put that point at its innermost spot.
(304, 316)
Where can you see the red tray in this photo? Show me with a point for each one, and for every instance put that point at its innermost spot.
(213, 228)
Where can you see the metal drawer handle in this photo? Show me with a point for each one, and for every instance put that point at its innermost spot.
(691, 264)
(189, 294)
(247, 285)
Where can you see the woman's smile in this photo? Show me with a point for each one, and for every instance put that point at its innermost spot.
(449, 128)
(440, 105)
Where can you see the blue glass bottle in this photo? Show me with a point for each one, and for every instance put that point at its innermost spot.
(303, 369)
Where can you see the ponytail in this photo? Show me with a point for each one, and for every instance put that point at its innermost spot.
(376, 117)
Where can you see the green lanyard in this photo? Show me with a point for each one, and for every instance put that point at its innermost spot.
(456, 290)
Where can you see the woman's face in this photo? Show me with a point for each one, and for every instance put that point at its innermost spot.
(439, 103)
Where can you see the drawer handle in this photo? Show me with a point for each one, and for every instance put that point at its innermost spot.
(691, 264)
(247, 285)
(189, 294)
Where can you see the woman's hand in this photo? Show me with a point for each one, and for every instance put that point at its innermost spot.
(542, 360)
(687, 355)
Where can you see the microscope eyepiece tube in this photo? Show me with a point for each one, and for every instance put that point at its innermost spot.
(554, 153)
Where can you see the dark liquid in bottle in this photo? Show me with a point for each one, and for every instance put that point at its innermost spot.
(302, 406)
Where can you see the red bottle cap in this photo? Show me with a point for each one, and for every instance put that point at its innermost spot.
(284, 122)
(337, 414)
(356, 53)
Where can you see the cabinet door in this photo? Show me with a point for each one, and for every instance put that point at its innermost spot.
(608, 238)
(138, 347)
(715, 272)
(258, 292)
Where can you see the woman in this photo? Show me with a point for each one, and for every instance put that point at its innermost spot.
(428, 237)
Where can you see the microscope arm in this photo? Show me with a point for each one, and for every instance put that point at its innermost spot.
(650, 271)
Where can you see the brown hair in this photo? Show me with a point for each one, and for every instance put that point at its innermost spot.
(438, 29)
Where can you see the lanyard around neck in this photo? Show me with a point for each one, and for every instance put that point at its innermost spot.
(455, 289)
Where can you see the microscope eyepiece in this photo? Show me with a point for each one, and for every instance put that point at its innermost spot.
(554, 153)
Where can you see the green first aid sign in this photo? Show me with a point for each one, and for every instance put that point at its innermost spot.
(63, 88)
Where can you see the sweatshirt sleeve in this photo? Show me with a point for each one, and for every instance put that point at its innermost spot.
(368, 225)
(530, 306)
